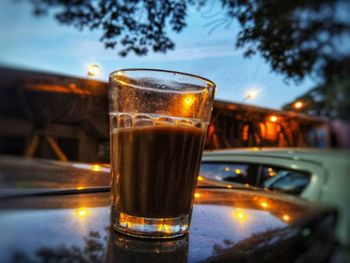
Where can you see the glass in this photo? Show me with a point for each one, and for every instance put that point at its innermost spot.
(158, 124)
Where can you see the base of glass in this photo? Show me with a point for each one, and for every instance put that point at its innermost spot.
(150, 227)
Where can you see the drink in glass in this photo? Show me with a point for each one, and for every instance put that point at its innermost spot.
(158, 122)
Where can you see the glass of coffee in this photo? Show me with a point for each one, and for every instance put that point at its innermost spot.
(158, 124)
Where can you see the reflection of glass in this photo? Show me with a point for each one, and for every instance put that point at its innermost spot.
(128, 249)
(158, 122)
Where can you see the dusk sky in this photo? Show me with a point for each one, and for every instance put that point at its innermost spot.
(43, 44)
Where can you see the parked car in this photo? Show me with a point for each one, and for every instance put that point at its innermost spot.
(313, 174)
(59, 212)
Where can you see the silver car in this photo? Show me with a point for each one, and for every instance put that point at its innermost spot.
(313, 174)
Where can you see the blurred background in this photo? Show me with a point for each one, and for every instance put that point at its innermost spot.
(282, 70)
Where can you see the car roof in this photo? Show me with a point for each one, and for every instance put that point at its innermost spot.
(20, 176)
(318, 155)
(75, 226)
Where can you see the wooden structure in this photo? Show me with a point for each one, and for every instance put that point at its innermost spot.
(238, 125)
(52, 116)
(61, 117)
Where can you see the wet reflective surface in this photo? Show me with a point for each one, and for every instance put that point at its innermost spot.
(228, 225)
(26, 175)
(19, 176)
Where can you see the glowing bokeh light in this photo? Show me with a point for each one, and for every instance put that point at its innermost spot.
(188, 101)
(286, 217)
(94, 70)
(264, 204)
(82, 212)
(273, 118)
(96, 168)
(240, 215)
(252, 93)
(298, 105)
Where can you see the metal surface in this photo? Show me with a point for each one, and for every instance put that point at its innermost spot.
(228, 225)
(19, 176)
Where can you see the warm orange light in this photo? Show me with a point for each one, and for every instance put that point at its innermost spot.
(238, 171)
(94, 70)
(229, 186)
(227, 169)
(264, 204)
(298, 105)
(122, 218)
(246, 185)
(82, 212)
(197, 195)
(245, 133)
(271, 130)
(286, 217)
(80, 188)
(188, 101)
(159, 227)
(273, 118)
(96, 168)
(167, 228)
(200, 178)
(240, 215)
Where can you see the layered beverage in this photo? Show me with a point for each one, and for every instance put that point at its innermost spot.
(155, 169)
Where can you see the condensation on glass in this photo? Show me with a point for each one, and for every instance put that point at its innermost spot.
(158, 123)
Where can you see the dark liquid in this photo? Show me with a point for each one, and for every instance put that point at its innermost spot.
(155, 169)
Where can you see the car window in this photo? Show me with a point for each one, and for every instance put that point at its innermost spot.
(284, 180)
(257, 174)
(230, 172)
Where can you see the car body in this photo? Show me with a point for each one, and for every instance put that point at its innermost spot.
(59, 212)
(316, 174)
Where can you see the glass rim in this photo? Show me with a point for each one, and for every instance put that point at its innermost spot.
(212, 84)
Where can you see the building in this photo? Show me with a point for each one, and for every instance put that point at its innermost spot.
(62, 117)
